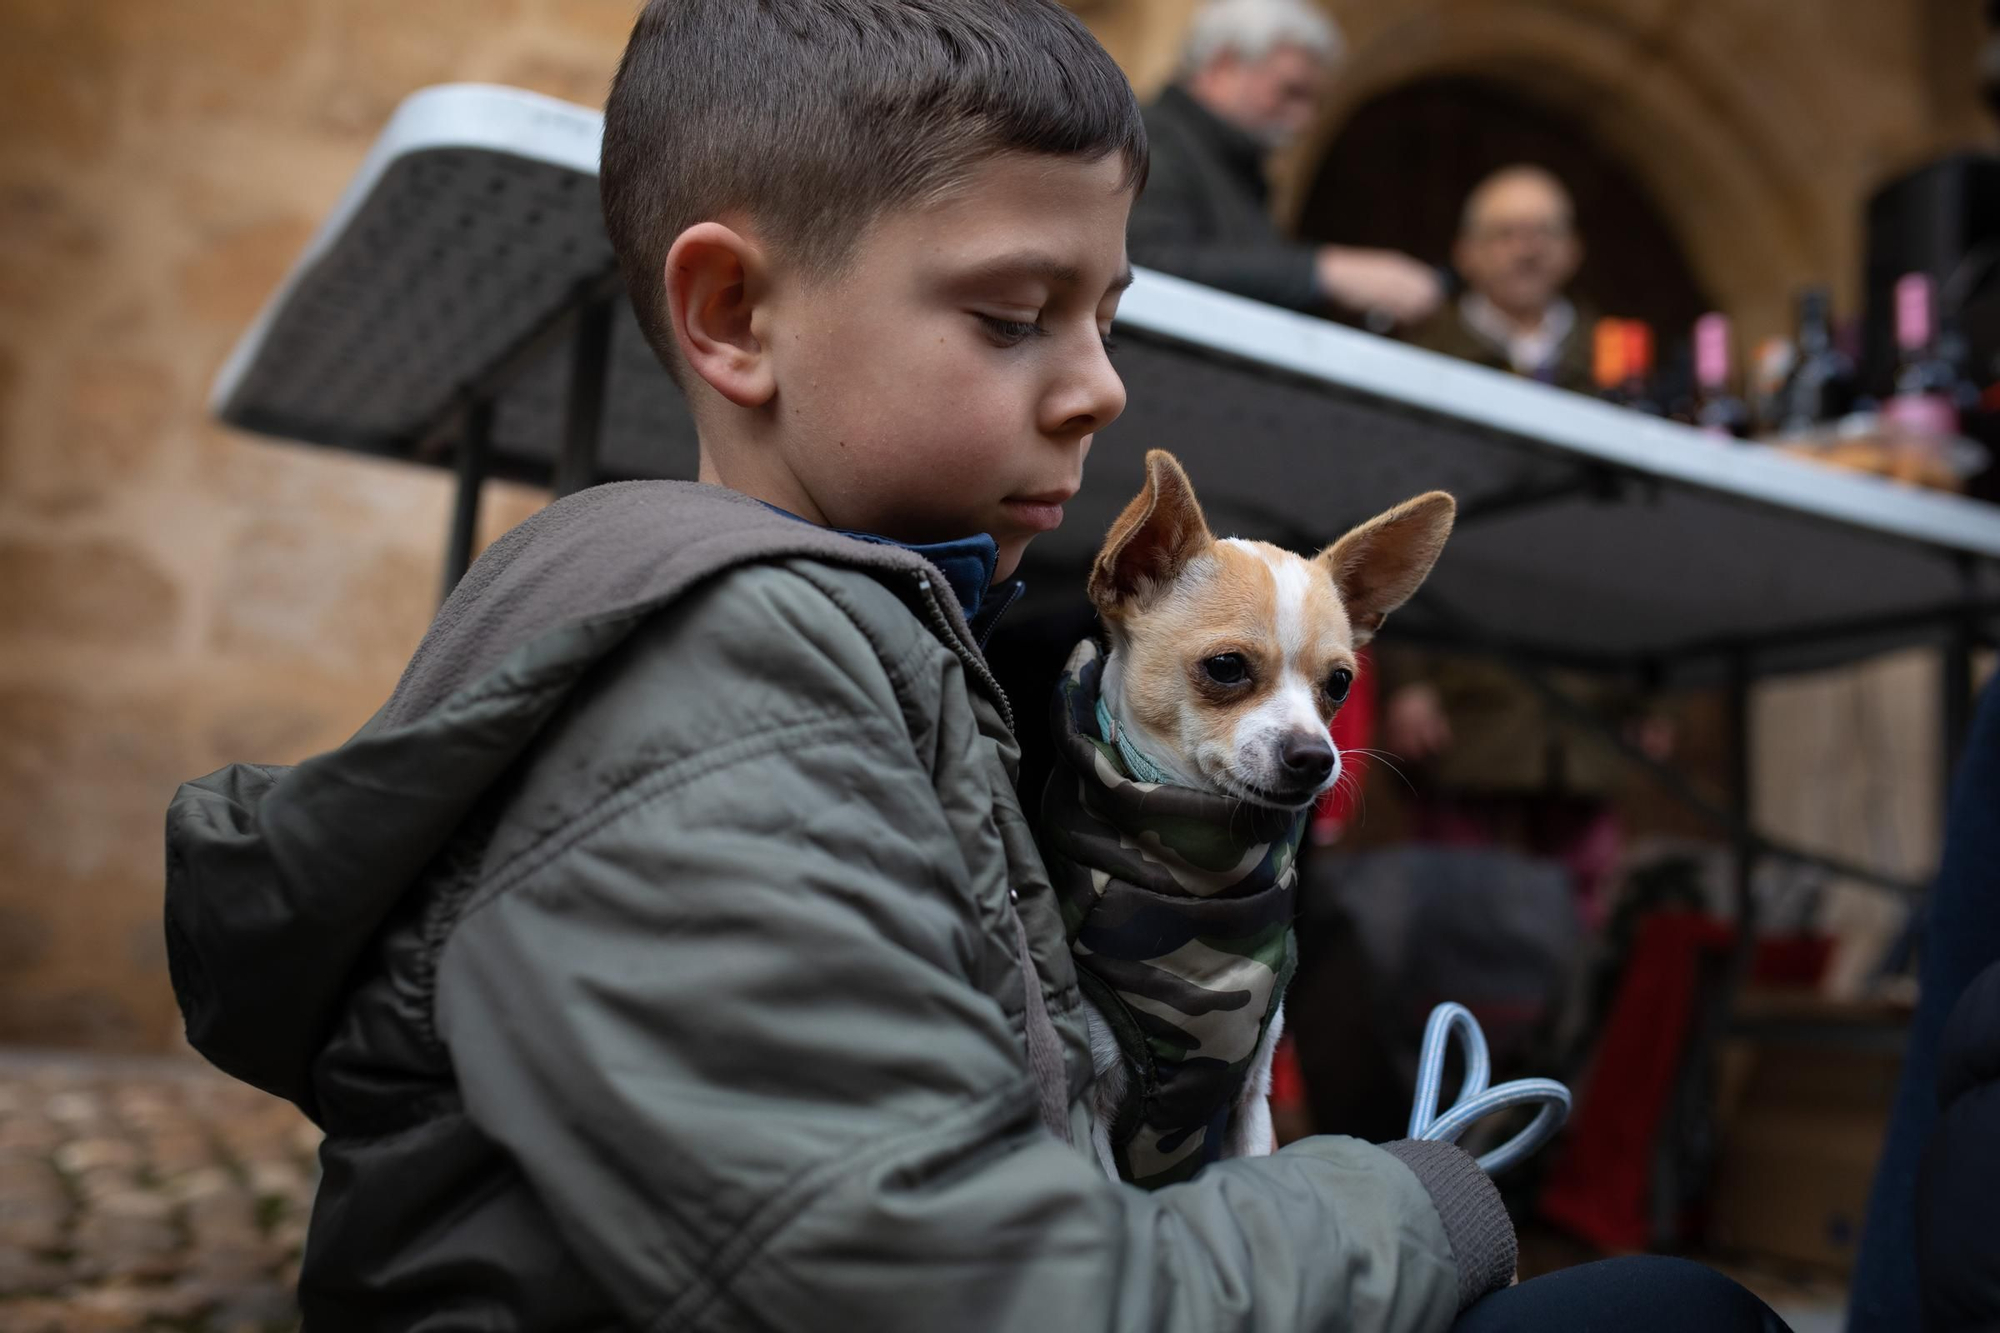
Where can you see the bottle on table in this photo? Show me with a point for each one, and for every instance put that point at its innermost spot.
(1717, 411)
(1821, 387)
(1770, 369)
(1921, 421)
(1637, 389)
(1925, 401)
(1607, 362)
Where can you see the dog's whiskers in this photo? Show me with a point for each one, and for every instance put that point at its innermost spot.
(1384, 758)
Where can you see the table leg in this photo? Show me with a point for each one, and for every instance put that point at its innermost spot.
(590, 369)
(473, 444)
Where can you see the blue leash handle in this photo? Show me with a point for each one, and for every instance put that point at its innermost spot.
(1476, 1101)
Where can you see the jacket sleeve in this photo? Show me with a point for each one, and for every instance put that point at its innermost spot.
(1165, 233)
(729, 1026)
(1958, 1188)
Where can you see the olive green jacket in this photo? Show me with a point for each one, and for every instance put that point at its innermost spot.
(651, 962)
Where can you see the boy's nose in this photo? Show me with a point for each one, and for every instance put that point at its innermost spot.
(1090, 398)
(1307, 757)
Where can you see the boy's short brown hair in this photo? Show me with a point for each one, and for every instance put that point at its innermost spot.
(813, 117)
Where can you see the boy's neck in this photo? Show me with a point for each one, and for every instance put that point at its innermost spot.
(781, 491)
(967, 562)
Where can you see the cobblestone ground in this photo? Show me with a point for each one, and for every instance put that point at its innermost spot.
(147, 1194)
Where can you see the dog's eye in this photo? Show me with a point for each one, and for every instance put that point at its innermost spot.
(1227, 669)
(1338, 684)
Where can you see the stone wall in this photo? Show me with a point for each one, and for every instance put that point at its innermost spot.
(174, 596)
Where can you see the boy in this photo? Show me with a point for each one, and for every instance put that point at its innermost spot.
(671, 950)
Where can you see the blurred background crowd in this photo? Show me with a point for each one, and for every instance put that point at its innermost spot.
(1775, 221)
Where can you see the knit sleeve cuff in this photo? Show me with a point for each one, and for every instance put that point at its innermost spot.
(1476, 1225)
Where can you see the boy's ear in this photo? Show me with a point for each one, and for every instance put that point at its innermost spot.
(1152, 541)
(713, 275)
(1379, 565)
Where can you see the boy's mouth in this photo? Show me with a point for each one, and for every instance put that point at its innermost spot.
(1040, 513)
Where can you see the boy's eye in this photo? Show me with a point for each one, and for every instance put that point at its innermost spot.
(1338, 684)
(1110, 343)
(1227, 668)
(1010, 332)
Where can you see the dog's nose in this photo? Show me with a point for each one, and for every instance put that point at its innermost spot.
(1307, 757)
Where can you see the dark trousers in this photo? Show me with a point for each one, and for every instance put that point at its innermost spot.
(1642, 1294)
(1961, 938)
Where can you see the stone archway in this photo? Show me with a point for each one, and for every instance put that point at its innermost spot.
(1732, 181)
(1402, 166)
(1759, 128)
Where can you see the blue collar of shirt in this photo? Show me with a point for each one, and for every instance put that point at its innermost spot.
(967, 563)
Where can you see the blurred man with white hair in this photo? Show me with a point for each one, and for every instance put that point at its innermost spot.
(1254, 77)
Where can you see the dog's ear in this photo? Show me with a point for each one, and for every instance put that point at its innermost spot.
(1379, 565)
(1152, 541)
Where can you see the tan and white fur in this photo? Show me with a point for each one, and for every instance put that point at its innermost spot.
(1226, 660)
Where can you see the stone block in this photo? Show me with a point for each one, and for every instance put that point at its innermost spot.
(84, 780)
(25, 1133)
(268, 730)
(104, 1015)
(602, 23)
(386, 50)
(230, 277)
(113, 415)
(98, 592)
(25, 941)
(86, 1156)
(231, 1264)
(26, 1274)
(584, 82)
(60, 1314)
(48, 242)
(209, 57)
(143, 1306)
(320, 596)
(76, 1109)
(58, 78)
(178, 1156)
(266, 1305)
(35, 1205)
(124, 1247)
(10, 390)
(279, 1181)
(136, 1204)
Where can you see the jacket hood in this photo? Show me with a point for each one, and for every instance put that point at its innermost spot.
(278, 878)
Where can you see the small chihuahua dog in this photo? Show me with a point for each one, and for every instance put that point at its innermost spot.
(1223, 662)
(1227, 659)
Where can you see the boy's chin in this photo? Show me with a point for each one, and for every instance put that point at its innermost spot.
(1011, 551)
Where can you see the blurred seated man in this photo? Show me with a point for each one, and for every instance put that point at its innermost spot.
(1254, 77)
(1517, 249)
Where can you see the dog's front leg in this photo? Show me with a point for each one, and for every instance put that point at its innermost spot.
(1250, 1131)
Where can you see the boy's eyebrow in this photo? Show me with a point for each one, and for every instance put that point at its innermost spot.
(1033, 264)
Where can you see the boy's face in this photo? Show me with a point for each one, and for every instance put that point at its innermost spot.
(949, 381)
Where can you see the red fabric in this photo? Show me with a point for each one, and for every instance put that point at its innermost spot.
(1288, 1085)
(1353, 730)
(1599, 1187)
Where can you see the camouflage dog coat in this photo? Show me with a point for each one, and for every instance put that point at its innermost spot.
(1178, 905)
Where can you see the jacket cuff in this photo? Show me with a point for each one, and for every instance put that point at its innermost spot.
(1476, 1225)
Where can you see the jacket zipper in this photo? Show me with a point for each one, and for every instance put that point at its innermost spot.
(947, 630)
